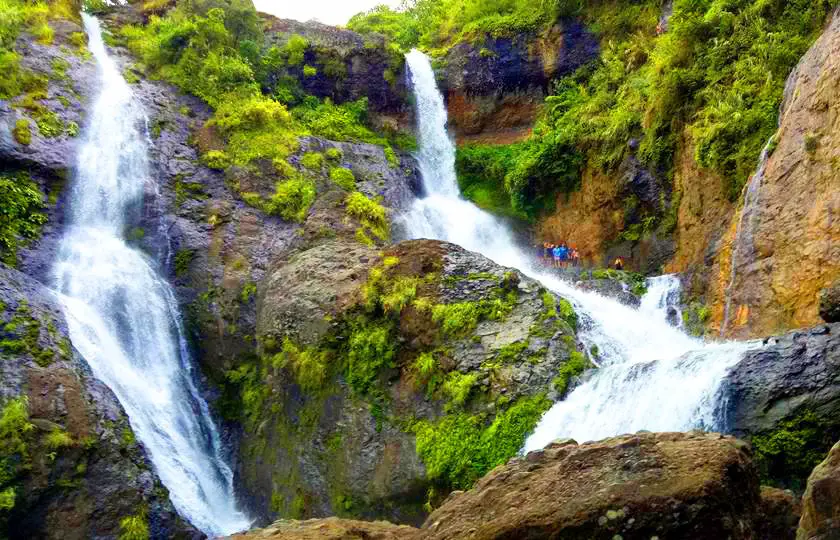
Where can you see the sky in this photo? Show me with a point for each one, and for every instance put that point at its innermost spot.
(335, 12)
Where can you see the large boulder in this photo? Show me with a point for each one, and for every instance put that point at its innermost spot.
(80, 470)
(369, 364)
(784, 396)
(830, 303)
(330, 529)
(821, 502)
(663, 485)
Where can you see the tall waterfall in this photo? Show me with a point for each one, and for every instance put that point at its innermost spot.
(123, 316)
(652, 375)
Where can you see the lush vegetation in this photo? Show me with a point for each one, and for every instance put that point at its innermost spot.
(216, 50)
(716, 75)
(21, 208)
(14, 450)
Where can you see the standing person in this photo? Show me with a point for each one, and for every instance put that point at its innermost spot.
(564, 255)
(575, 258)
(556, 253)
(618, 264)
(547, 253)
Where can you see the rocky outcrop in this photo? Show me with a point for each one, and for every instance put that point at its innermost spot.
(330, 529)
(462, 340)
(783, 396)
(495, 86)
(830, 303)
(821, 502)
(80, 471)
(665, 485)
(789, 249)
(348, 66)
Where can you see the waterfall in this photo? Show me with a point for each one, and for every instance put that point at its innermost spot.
(652, 375)
(663, 299)
(123, 316)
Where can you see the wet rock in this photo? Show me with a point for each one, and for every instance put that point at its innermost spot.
(821, 502)
(665, 485)
(830, 303)
(81, 489)
(778, 515)
(330, 529)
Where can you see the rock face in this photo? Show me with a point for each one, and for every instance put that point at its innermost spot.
(784, 397)
(791, 248)
(821, 502)
(330, 529)
(666, 485)
(82, 484)
(830, 303)
(349, 66)
(340, 446)
(495, 86)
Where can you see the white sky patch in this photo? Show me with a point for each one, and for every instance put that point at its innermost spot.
(334, 12)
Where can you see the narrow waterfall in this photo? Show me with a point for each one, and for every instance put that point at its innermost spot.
(123, 316)
(653, 376)
(742, 244)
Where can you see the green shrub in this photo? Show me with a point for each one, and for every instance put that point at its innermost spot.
(343, 178)
(183, 261)
(371, 215)
(292, 199)
(21, 209)
(57, 439)
(457, 387)
(309, 71)
(14, 453)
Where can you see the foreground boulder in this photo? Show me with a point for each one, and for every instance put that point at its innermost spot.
(821, 502)
(783, 398)
(666, 485)
(330, 529)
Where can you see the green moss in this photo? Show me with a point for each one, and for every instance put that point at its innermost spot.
(371, 348)
(135, 527)
(788, 454)
(343, 178)
(576, 365)
(313, 161)
(292, 199)
(309, 71)
(57, 439)
(22, 132)
(308, 365)
(456, 320)
(334, 155)
(371, 215)
(457, 387)
(14, 450)
(510, 353)
(183, 261)
(460, 448)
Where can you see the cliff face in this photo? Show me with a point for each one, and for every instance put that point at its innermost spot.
(495, 87)
(787, 245)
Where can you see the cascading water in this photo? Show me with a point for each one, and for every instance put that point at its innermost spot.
(123, 316)
(663, 299)
(652, 376)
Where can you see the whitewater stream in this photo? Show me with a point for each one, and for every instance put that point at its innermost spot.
(652, 376)
(122, 313)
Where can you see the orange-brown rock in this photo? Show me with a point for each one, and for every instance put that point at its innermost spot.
(790, 250)
(821, 502)
(330, 529)
(667, 485)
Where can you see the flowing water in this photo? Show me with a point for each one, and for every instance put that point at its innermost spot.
(662, 299)
(743, 251)
(123, 316)
(652, 375)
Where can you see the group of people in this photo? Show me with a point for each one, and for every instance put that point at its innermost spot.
(558, 255)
